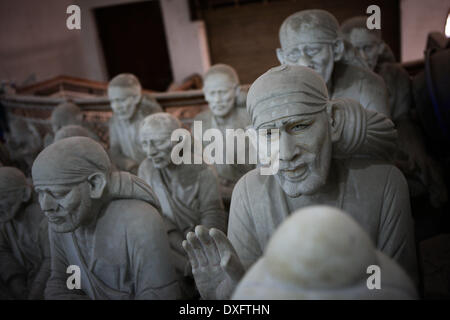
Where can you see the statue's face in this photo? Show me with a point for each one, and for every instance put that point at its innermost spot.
(368, 45)
(124, 101)
(65, 206)
(157, 146)
(304, 152)
(220, 93)
(10, 203)
(318, 56)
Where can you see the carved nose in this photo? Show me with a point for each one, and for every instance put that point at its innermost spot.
(48, 203)
(287, 148)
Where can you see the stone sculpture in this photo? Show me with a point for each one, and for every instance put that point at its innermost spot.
(24, 247)
(413, 159)
(294, 100)
(310, 38)
(223, 94)
(320, 252)
(129, 107)
(106, 223)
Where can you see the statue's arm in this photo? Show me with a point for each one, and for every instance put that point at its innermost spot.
(396, 231)
(40, 281)
(56, 288)
(374, 96)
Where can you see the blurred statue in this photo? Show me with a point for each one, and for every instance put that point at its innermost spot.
(188, 193)
(411, 143)
(23, 144)
(224, 97)
(294, 100)
(310, 38)
(106, 223)
(74, 131)
(24, 246)
(320, 252)
(129, 107)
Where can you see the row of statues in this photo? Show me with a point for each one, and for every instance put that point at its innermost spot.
(140, 226)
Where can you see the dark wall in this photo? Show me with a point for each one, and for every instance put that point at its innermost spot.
(245, 36)
(134, 40)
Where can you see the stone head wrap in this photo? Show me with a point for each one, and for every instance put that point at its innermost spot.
(308, 26)
(70, 160)
(11, 179)
(284, 91)
(66, 113)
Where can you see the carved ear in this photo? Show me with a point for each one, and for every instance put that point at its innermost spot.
(338, 49)
(336, 119)
(26, 194)
(97, 183)
(280, 55)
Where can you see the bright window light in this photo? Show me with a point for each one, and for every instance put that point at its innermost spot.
(447, 26)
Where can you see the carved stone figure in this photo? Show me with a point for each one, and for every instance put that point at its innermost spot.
(106, 223)
(188, 193)
(129, 107)
(294, 100)
(224, 97)
(24, 247)
(413, 159)
(310, 38)
(23, 144)
(320, 252)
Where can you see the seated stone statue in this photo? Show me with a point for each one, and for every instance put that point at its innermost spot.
(66, 113)
(129, 107)
(24, 247)
(294, 100)
(23, 143)
(411, 143)
(106, 223)
(222, 92)
(310, 38)
(320, 252)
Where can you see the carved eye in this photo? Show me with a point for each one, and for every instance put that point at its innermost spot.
(312, 51)
(293, 56)
(299, 127)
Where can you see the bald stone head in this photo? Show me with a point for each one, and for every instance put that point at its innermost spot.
(310, 38)
(155, 133)
(124, 93)
(64, 114)
(320, 252)
(70, 177)
(367, 41)
(72, 131)
(221, 85)
(14, 191)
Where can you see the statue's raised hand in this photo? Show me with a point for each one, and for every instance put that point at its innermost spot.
(215, 264)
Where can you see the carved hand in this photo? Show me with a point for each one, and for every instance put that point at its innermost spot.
(215, 264)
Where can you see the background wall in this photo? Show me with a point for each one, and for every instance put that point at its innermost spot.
(420, 17)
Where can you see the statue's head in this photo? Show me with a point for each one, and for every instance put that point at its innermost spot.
(65, 114)
(124, 93)
(70, 177)
(221, 85)
(368, 42)
(14, 192)
(155, 132)
(310, 38)
(294, 99)
(72, 131)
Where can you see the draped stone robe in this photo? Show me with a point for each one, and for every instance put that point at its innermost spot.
(24, 249)
(374, 194)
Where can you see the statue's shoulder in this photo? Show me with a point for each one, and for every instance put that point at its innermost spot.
(378, 172)
(393, 71)
(148, 105)
(357, 75)
(204, 116)
(131, 211)
(252, 181)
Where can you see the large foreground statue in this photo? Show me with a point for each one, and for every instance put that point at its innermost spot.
(310, 38)
(24, 246)
(129, 107)
(295, 101)
(107, 224)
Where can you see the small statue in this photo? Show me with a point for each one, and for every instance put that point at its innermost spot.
(129, 107)
(294, 100)
(417, 163)
(225, 99)
(310, 38)
(320, 252)
(105, 223)
(24, 246)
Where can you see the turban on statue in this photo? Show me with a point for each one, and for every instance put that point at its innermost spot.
(69, 161)
(11, 179)
(308, 26)
(286, 91)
